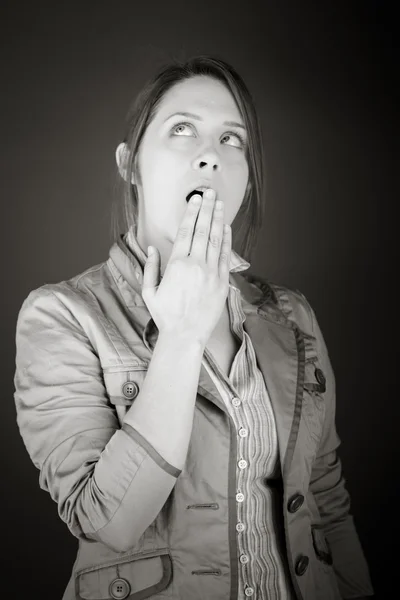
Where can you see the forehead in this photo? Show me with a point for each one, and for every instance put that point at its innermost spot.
(202, 93)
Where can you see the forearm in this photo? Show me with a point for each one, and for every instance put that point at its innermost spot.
(163, 411)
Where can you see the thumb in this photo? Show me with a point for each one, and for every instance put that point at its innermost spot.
(151, 275)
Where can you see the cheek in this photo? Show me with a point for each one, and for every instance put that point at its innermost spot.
(238, 178)
(236, 189)
(237, 163)
(159, 175)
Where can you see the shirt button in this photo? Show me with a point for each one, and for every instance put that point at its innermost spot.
(249, 591)
(130, 389)
(244, 559)
(236, 402)
(239, 497)
(119, 588)
(240, 527)
(243, 432)
(242, 464)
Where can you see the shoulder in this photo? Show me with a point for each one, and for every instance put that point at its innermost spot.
(67, 295)
(295, 306)
(290, 301)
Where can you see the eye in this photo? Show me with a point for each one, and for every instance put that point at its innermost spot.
(181, 127)
(237, 138)
(186, 130)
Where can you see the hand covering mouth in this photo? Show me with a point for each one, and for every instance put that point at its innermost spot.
(199, 191)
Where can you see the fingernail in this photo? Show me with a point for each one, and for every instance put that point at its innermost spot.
(209, 193)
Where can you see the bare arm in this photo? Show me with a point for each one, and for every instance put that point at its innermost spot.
(163, 411)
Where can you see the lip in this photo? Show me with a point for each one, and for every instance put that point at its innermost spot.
(202, 185)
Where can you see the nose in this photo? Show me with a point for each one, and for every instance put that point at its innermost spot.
(207, 161)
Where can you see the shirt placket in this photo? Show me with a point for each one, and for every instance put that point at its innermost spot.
(242, 423)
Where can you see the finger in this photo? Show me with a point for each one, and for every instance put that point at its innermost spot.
(202, 229)
(151, 273)
(225, 254)
(183, 240)
(216, 235)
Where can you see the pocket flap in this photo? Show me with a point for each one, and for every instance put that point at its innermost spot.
(131, 578)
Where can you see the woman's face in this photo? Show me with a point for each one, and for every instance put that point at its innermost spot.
(182, 152)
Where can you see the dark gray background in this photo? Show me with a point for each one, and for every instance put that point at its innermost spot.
(322, 75)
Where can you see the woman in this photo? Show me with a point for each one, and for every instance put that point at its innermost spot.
(182, 412)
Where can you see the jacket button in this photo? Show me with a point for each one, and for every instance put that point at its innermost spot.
(119, 588)
(320, 377)
(130, 389)
(295, 502)
(302, 565)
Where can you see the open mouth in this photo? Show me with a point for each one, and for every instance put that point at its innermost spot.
(200, 191)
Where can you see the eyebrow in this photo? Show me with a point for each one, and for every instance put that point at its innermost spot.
(198, 118)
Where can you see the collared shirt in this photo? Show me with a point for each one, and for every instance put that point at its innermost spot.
(263, 570)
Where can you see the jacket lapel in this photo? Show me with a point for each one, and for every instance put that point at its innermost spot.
(277, 356)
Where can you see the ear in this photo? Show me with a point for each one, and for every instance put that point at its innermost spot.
(121, 156)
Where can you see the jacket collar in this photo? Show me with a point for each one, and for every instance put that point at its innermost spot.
(132, 263)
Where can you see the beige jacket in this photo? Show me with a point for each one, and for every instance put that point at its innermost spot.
(83, 348)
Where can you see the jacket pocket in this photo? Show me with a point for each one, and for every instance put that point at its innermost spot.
(123, 384)
(132, 578)
(321, 546)
(313, 407)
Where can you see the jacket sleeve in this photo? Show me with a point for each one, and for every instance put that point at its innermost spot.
(109, 486)
(332, 498)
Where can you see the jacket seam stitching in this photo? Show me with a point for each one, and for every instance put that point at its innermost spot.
(102, 322)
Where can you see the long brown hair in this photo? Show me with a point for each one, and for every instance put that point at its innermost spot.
(248, 221)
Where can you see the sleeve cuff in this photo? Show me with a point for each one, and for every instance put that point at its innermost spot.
(139, 439)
